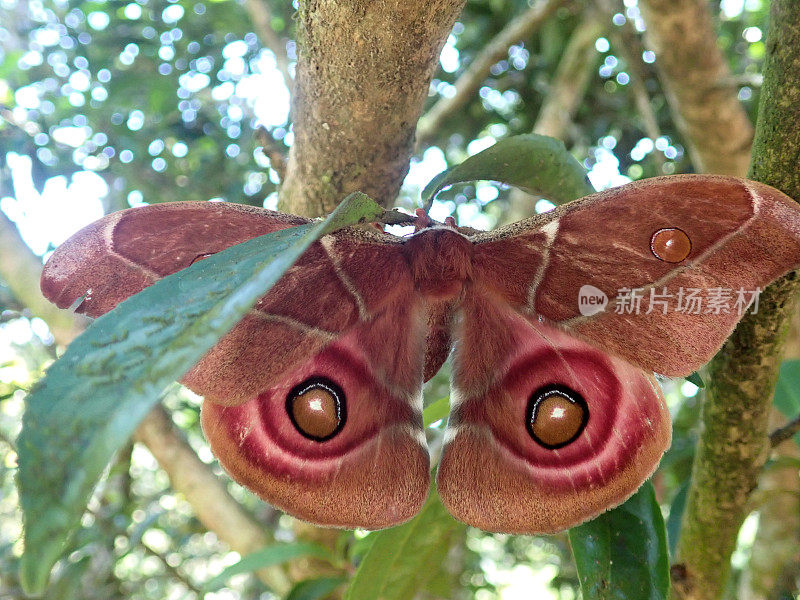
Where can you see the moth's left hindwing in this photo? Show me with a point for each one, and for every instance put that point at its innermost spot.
(314, 399)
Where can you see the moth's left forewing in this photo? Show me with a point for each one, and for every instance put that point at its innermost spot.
(737, 236)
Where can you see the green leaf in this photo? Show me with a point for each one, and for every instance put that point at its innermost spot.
(403, 559)
(268, 557)
(622, 554)
(436, 411)
(537, 164)
(91, 400)
(312, 589)
(675, 518)
(787, 392)
(696, 379)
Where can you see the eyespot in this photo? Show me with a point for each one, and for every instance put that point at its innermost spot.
(316, 408)
(556, 416)
(671, 245)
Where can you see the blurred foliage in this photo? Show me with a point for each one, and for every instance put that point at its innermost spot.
(162, 100)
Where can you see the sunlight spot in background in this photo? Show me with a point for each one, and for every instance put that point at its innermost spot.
(605, 173)
(449, 56)
(744, 541)
(689, 389)
(265, 91)
(61, 209)
(543, 206)
(421, 171)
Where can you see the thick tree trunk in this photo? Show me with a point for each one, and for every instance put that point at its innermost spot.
(363, 74)
(697, 79)
(741, 378)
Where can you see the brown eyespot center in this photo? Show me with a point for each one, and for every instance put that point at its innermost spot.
(556, 416)
(316, 408)
(671, 245)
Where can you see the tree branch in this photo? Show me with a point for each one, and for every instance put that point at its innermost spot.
(20, 269)
(626, 41)
(471, 79)
(363, 74)
(567, 89)
(214, 507)
(784, 432)
(697, 82)
(734, 444)
(260, 17)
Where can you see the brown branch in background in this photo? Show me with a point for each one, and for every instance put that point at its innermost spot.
(784, 432)
(29, 127)
(20, 269)
(695, 76)
(274, 150)
(627, 43)
(204, 491)
(468, 83)
(260, 17)
(211, 502)
(567, 89)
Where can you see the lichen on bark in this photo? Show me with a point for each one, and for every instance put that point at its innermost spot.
(741, 378)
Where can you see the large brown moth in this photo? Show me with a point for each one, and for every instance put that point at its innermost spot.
(314, 400)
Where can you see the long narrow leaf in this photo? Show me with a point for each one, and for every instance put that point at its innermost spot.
(93, 398)
(268, 557)
(436, 411)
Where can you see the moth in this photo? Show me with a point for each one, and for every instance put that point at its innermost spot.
(314, 400)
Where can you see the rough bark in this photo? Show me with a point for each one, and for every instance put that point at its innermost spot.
(567, 89)
(363, 73)
(468, 83)
(734, 444)
(698, 85)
